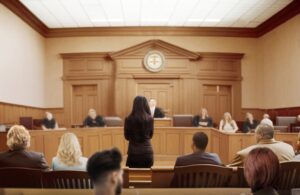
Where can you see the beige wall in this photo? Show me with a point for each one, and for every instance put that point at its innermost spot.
(22, 62)
(279, 59)
(55, 46)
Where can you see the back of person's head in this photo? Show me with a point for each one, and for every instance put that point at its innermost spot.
(104, 169)
(69, 150)
(264, 132)
(140, 108)
(266, 121)
(261, 169)
(18, 138)
(200, 140)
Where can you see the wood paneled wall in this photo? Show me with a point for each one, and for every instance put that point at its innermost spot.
(179, 87)
(11, 113)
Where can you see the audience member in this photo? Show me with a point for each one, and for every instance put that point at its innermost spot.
(138, 130)
(264, 135)
(249, 124)
(156, 112)
(93, 120)
(202, 120)
(227, 124)
(49, 122)
(104, 169)
(18, 141)
(297, 157)
(199, 156)
(69, 155)
(261, 170)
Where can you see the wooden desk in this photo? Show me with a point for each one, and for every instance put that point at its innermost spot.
(206, 191)
(163, 122)
(168, 142)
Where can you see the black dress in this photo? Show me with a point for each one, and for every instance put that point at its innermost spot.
(197, 119)
(49, 124)
(97, 122)
(139, 134)
(247, 126)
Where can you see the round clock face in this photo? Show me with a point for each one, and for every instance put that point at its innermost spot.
(154, 61)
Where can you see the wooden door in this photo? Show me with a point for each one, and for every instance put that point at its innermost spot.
(217, 100)
(163, 93)
(84, 98)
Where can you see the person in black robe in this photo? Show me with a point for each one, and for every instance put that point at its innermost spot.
(156, 112)
(93, 120)
(138, 130)
(202, 120)
(249, 124)
(49, 122)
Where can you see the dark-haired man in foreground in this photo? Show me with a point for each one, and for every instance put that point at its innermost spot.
(104, 169)
(199, 156)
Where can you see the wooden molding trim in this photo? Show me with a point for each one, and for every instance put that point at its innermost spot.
(282, 16)
(221, 55)
(156, 43)
(20, 10)
(84, 55)
(152, 31)
(279, 18)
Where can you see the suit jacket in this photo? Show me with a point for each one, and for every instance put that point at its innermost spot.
(97, 122)
(198, 158)
(198, 119)
(284, 151)
(23, 158)
(158, 113)
(247, 126)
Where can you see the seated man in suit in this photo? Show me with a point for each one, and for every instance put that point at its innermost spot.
(93, 120)
(104, 169)
(49, 122)
(156, 112)
(18, 140)
(264, 135)
(199, 156)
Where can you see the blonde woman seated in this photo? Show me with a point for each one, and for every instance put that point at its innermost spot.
(227, 124)
(69, 155)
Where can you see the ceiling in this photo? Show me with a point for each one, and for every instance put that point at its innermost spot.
(177, 13)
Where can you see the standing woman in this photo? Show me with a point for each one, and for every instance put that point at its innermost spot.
(138, 130)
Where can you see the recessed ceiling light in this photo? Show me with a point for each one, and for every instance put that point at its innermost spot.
(212, 20)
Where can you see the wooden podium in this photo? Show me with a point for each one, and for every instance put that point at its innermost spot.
(163, 122)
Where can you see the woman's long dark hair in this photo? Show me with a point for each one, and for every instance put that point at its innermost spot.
(140, 109)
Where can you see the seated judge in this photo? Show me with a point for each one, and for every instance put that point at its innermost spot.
(18, 141)
(261, 171)
(249, 124)
(227, 124)
(156, 112)
(49, 122)
(69, 155)
(264, 135)
(202, 120)
(93, 120)
(104, 169)
(199, 155)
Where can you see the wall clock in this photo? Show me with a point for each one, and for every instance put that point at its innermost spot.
(154, 61)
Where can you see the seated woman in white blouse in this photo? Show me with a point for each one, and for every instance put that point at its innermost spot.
(227, 124)
(69, 155)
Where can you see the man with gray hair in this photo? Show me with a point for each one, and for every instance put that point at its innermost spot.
(264, 135)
